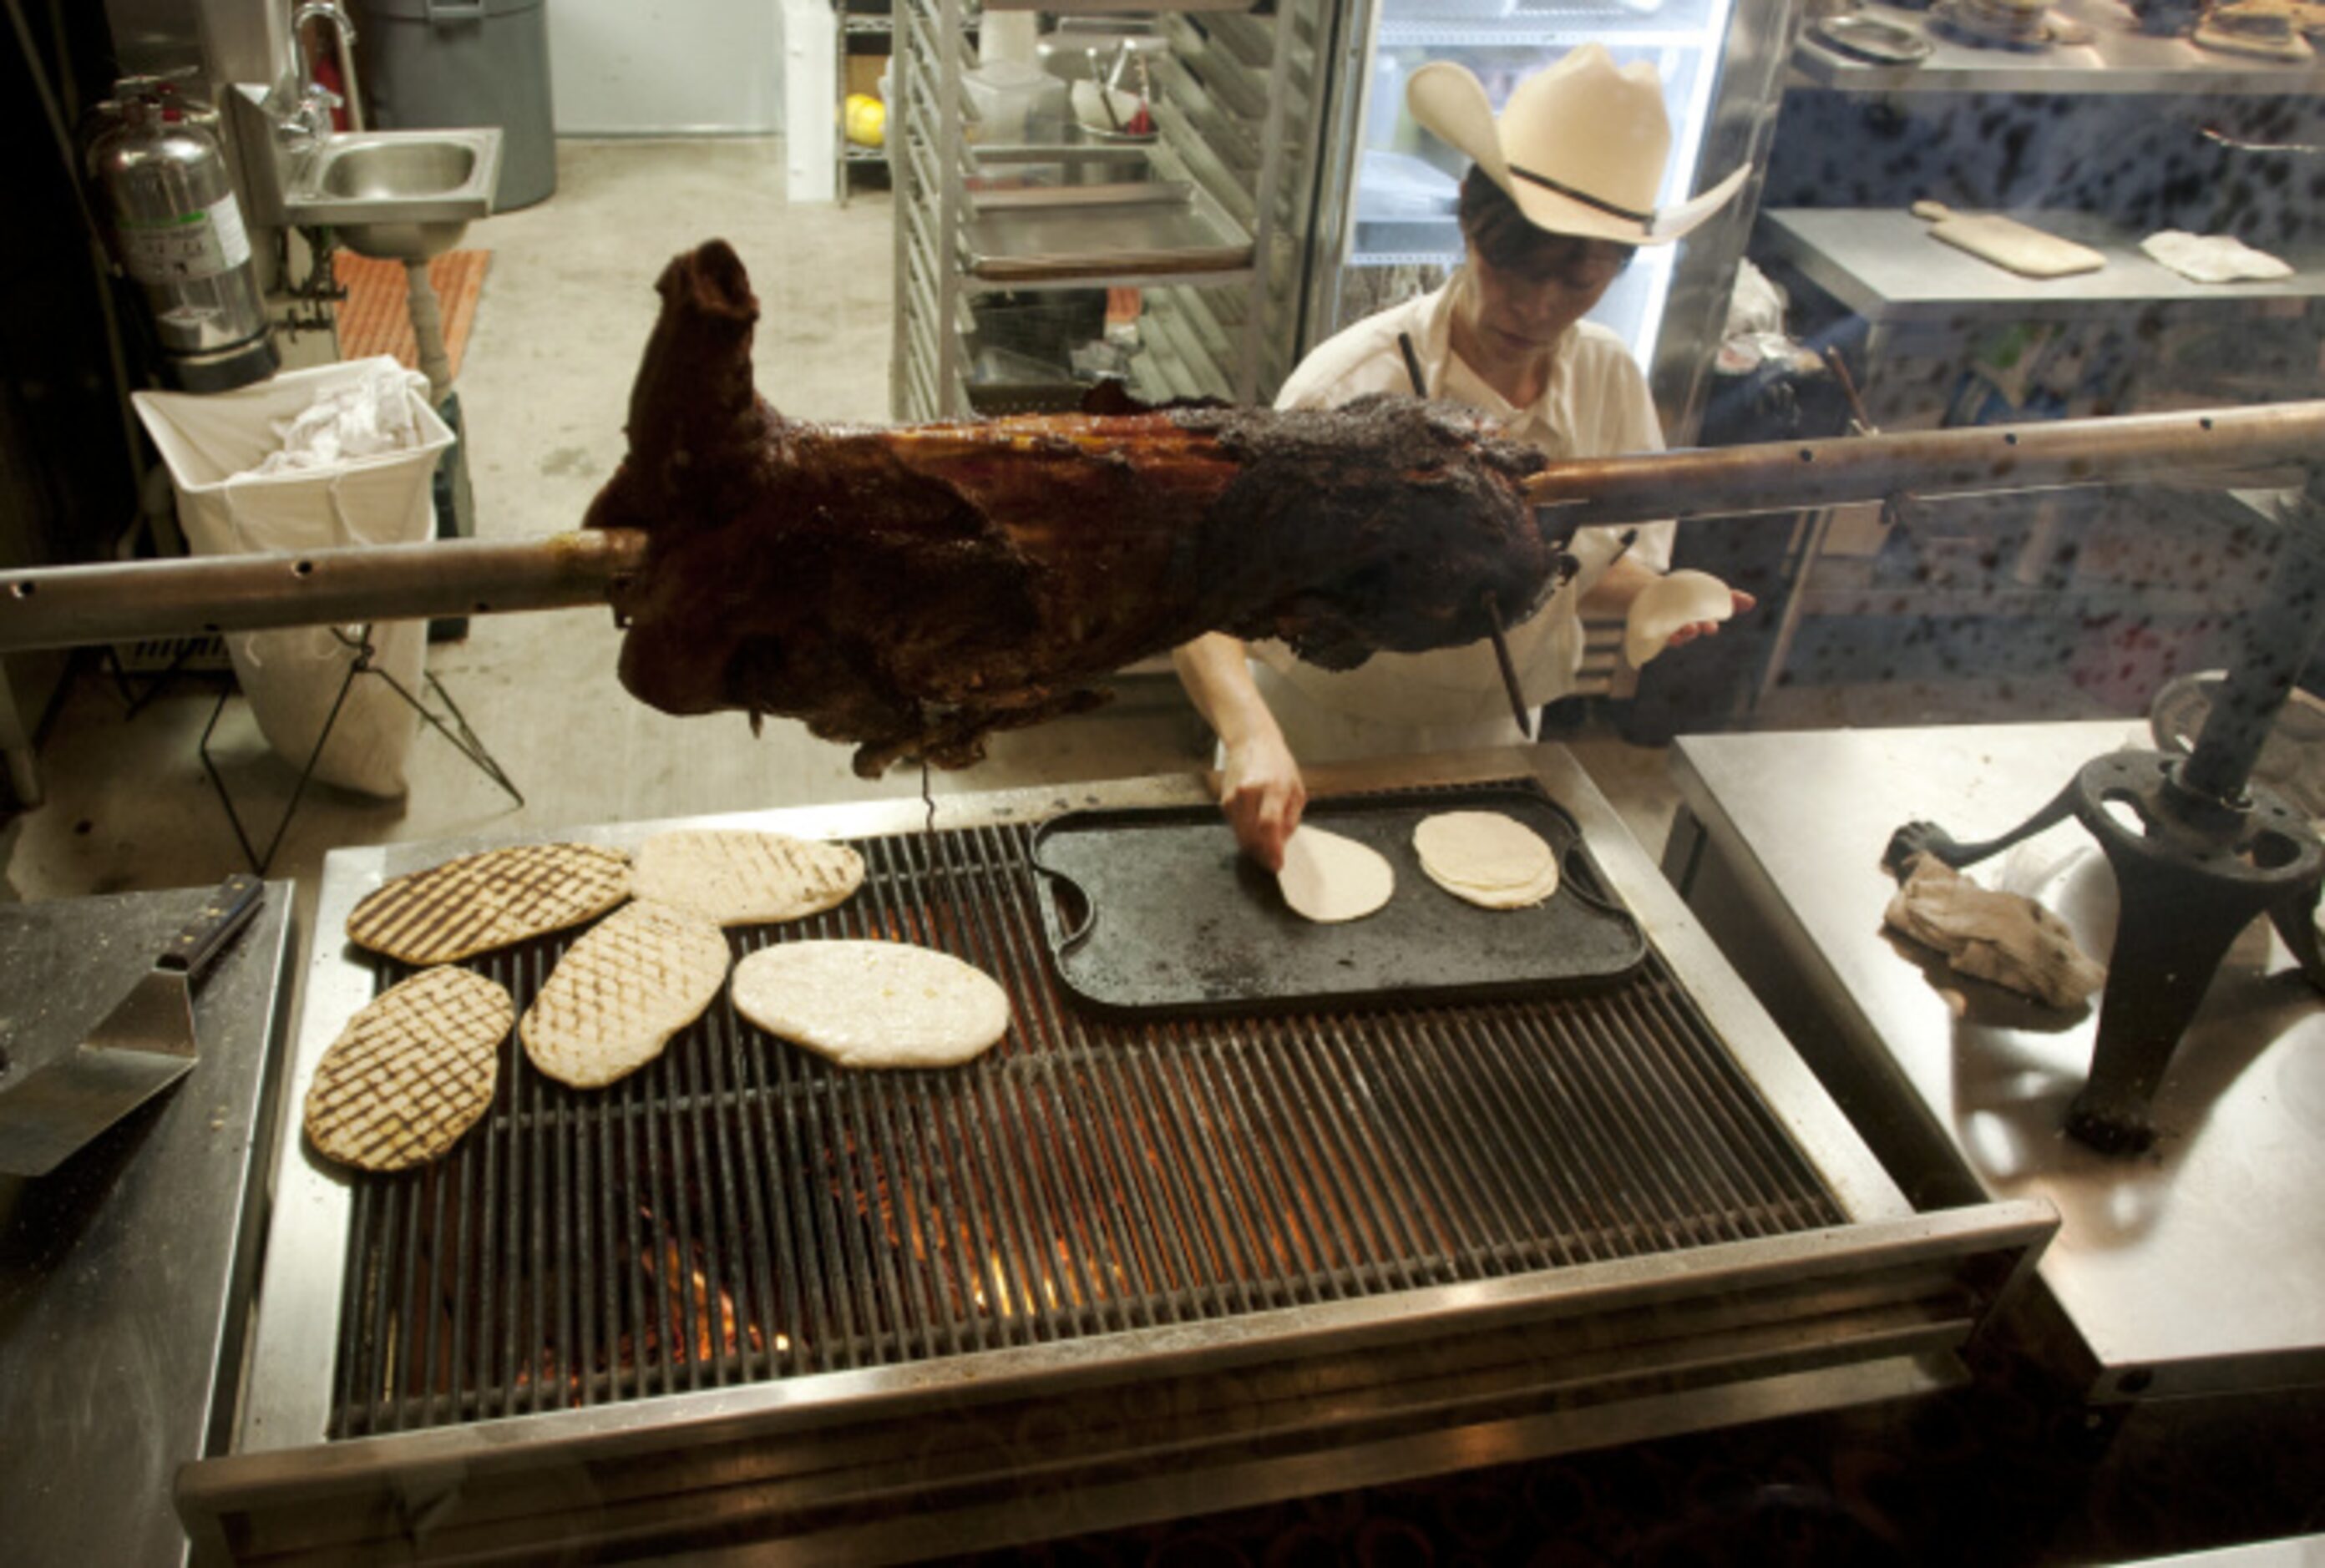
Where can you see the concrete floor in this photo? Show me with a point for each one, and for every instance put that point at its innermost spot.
(566, 308)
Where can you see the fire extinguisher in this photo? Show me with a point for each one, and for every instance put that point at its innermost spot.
(176, 229)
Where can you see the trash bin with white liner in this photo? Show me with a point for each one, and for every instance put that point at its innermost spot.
(212, 443)
(434, 64)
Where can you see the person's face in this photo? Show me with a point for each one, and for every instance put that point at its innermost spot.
(1523, 309)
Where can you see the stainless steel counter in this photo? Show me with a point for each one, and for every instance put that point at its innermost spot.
(126, 1275)
(2197, 1268)
(2119, 59)
(1883, 264)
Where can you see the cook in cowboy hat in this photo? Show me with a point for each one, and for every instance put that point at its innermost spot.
(1561, 189)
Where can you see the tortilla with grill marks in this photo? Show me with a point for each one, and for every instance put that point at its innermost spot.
(496, 899)
(412, 1072)
(739, 877)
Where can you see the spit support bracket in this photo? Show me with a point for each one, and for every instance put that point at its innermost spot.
(2198, 851)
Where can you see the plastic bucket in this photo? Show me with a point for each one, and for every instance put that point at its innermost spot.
(431, 64)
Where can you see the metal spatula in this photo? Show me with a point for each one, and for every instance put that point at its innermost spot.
(144, 1044)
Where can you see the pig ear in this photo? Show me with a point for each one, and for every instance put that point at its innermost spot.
(720, 285)
(694, 385)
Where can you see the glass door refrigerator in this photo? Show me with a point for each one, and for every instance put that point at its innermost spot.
(1385, 223)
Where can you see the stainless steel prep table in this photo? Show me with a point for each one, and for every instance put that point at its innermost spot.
(2196, 1269)
(126, 1275)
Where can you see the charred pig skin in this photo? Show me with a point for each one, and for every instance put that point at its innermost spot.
(914, 589)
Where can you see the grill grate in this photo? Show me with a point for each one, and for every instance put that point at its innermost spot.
(741, 1210)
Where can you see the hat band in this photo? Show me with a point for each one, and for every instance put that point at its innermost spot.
(1584, 196)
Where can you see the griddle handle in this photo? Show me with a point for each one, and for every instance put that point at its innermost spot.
(1585, 887)
(1079, 915)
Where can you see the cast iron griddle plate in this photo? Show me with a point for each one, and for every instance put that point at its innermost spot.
(1156, 911)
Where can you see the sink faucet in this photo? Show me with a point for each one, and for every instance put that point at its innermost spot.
(343, 34)
(301, 105)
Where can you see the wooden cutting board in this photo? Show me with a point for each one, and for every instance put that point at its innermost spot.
(2008, 244)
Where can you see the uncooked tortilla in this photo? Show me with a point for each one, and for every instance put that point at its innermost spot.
(1330, 878)
(873, 1004)
(1488, 858)
(1666, 604)
(1535, 892)
(1484, 849)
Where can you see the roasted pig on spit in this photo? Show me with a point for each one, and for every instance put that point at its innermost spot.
(912, 590)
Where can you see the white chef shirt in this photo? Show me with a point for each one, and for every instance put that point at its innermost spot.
(1596, 405)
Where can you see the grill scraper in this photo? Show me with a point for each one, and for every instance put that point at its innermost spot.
(144, 1044)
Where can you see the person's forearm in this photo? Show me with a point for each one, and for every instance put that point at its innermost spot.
(1259, 785)
(1218, 677)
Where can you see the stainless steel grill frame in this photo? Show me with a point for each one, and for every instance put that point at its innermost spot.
(1434, 1296)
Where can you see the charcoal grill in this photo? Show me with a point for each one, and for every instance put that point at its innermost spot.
(1117, 1270)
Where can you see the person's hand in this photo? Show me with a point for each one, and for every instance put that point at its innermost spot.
(1695, 629)
(1263, 795)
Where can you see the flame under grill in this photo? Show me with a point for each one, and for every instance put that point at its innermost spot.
(742, 1211)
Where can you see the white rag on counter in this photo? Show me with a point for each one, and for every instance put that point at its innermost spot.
(2213, 258)
(2007, 939)
(365, 417)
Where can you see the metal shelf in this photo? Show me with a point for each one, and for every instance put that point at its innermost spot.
(2119, 60)
(1166, 329)
(889, 25)
(1125, 7)
(1180, 213)
(1069, 233)
(1113, 278)
(846, 154)
(1239, 89)
(1882, 264)
(1852, 597)
(1444, 258)
(1533, 32)
(1204, 322)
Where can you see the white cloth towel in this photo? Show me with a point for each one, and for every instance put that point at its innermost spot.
(361, 419)
(2213, 258)
(2005, 937)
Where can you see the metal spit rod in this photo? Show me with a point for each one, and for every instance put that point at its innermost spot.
(1780, 477)
(66, 607)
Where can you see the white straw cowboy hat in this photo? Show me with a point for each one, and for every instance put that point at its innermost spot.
(1580, 147)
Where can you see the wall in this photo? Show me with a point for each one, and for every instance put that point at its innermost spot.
(638, 68)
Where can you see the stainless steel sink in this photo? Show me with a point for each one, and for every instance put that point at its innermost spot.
(398, 195)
